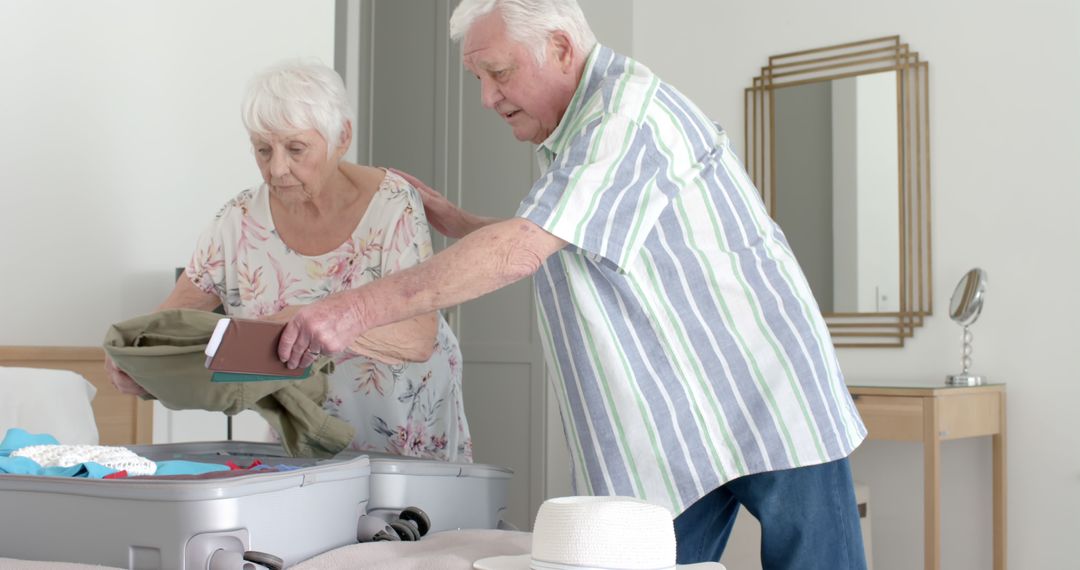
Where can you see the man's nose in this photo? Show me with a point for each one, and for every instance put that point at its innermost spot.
(489, 93)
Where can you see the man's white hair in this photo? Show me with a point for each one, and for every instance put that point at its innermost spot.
(297, 95)
(529, 22)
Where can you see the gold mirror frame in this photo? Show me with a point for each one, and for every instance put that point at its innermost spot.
(880, 329)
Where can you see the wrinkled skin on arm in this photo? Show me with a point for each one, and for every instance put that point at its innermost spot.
(411, 340)
(487, 258)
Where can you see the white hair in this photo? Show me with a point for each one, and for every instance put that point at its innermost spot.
(297, 95)
(529, 22)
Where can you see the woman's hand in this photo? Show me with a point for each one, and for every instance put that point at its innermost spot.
(410, 340)
(185, 295)
(121, 381)
(446, 218)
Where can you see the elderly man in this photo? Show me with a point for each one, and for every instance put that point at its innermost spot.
(692, 364)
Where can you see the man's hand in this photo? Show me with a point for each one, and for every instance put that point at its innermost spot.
(121, 381)
(446, 218)
(325, 327)
(284, 315)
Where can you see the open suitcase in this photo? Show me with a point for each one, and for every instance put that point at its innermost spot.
(217, 523)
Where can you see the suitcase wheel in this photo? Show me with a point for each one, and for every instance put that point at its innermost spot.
(418, 517)
(406, 530)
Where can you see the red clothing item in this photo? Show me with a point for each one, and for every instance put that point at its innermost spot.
(234, 467)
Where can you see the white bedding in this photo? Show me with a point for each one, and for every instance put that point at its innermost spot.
(448, 550)
(56, 402)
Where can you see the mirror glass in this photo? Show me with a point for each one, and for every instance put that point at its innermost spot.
(836, 188)
(967, 299)
(837, 141)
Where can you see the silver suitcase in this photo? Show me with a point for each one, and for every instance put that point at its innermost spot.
(454, 495)
(273, 518)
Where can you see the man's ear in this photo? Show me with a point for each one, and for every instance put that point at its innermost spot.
(562, 50)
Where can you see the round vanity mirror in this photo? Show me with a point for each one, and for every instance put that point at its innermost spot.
(964, 308)
(967, 299)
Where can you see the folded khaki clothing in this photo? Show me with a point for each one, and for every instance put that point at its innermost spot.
(163, 353)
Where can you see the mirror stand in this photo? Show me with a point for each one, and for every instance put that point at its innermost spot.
(965, 378)
(964, 308)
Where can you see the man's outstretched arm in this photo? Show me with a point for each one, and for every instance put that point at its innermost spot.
(488, 258)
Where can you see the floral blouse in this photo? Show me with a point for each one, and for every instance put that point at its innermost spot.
(413, 409)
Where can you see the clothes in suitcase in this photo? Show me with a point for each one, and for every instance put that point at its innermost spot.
(300, 508)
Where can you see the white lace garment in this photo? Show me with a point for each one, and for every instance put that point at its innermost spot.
(113, 457)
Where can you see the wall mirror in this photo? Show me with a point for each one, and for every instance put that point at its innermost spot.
(838, 143)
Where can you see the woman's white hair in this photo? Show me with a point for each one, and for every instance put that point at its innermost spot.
(297, 95)
(529, 22)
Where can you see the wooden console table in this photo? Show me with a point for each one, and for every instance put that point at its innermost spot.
(932, 414)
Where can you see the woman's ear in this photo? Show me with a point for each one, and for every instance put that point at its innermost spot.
(345, 139)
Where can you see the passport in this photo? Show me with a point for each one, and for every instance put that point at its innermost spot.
(245, 350)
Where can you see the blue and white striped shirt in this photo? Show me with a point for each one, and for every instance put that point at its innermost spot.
(685, 346)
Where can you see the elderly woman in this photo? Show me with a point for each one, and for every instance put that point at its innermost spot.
(318, 225)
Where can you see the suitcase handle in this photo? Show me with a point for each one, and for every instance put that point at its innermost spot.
(270, 561)
(223, 559)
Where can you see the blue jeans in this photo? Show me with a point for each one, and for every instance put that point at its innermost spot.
(808, 515)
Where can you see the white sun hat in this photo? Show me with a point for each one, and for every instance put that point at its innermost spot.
(598, 533)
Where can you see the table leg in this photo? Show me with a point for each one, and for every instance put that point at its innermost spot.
(931, 485)
(1000, 480)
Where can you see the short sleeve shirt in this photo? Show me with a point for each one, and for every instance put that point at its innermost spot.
(681, 335)
(413, 409)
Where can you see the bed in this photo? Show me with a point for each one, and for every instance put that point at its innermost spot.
(120, 419)
(125, 420)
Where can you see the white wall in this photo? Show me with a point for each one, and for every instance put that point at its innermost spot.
(1005, 137)
(122, 138)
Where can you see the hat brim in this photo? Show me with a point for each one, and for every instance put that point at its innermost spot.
(521, 562)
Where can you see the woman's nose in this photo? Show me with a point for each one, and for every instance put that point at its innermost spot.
(278, 165)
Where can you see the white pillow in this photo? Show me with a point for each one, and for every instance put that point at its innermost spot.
(56, 402)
